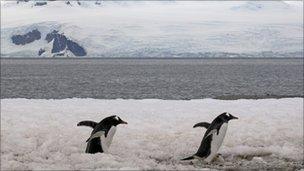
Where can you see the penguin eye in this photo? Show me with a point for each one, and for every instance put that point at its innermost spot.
(117, 118)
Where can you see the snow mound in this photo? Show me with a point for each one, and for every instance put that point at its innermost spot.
(42, 134)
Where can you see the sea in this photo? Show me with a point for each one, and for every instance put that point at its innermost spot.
(176, 79)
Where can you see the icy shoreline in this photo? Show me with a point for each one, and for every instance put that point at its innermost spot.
(42, 134)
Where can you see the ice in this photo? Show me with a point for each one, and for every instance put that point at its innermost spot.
(42, 134)
(258, 159)
(160, 29)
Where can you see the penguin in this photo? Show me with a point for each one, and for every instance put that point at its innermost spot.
(102, 134)
(213, 137)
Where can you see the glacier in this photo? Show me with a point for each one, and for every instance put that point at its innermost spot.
(41, 134)
(156, 28)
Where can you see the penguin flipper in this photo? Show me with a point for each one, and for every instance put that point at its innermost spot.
(202, 124)
(98, 134)
(214, 130)
(91, 124)
(211, 132)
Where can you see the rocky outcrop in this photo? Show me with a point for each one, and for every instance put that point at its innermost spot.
(61, 45)
(18, 1)
(26, 38)
(40, 3)
(98, 2)
(67, 2)
(41, 51)
(76, 49)
(61, 42)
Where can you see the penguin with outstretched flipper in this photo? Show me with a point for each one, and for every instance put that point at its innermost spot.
(213, 137)
(102, 134)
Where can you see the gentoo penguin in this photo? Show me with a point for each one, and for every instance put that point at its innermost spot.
(213, 137)
(102, 134)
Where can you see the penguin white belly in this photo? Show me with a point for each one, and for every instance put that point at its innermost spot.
(106, 141)
(110, 135)
(217, 140)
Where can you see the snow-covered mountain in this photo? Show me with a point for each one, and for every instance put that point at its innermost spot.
(151, 28)
(263, 5)
(36, 3)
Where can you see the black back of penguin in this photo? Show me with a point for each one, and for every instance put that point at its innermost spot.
(107, 123)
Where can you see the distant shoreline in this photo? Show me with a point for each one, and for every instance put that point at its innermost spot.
(228, 98)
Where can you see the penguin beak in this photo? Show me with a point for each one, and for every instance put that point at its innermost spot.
(123, 122)
(233, 117)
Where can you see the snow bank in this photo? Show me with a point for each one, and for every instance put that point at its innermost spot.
(42, 134)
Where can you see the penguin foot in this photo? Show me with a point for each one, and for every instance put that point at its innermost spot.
(218, 158)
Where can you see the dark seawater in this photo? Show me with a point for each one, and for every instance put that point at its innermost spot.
(151, 78)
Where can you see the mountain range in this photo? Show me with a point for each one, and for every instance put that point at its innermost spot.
(151, 29)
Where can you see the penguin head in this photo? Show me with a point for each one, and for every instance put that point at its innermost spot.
(114, 120)
(227, 116)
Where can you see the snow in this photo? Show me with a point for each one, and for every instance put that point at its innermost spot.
(262, 5)
(42, 134)
(158, 29)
